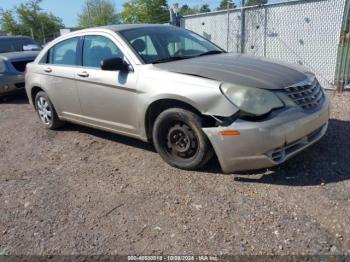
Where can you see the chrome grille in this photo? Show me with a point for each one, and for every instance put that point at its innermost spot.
(307, 96)
(21, 65)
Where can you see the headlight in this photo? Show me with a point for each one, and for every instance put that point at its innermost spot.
(2, 66)
(251, 100)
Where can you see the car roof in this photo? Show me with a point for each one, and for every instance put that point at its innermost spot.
(113, 28)
(13, 36)
(122, 27)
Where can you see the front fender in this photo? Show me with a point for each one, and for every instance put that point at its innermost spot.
(208, 104)
(201, 93)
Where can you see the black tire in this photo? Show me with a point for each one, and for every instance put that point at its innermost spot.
(179, 139)
(46, 111)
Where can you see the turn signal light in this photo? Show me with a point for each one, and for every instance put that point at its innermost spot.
(230, 133)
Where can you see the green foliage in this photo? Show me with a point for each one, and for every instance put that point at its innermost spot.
(98, 13)
(224, 3)
(8, 23)
(145, 11)
(256, 2)
(204, 8)
(187, 10)
(29, 19)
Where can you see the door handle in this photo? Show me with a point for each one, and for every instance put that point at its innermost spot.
(83, 74)
(48, 69)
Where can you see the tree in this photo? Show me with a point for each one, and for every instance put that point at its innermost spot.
(204, 8)
(98, 13)
(9, 23)
(187, 10)
(256, 2)
(224, 3)
(29, 19)
(145, 11)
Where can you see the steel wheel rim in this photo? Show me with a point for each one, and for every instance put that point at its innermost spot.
(44, 110)
(180, 141)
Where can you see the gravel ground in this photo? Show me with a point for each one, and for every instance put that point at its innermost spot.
(82, 191)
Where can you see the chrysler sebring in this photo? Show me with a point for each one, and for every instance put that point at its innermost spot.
(169, 86)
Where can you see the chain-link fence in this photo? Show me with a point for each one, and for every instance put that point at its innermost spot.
(342, 78)
(306, 32)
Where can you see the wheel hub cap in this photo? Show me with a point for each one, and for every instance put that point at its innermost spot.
(44, 111)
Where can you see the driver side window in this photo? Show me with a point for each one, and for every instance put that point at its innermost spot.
(97, 48)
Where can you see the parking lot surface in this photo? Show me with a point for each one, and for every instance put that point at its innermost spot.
(82, 191)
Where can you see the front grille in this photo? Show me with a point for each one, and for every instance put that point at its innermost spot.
(20, 85)
(21, 65)
(307, 96)
(280, 154)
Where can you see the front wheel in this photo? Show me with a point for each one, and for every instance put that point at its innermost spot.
(179, 139)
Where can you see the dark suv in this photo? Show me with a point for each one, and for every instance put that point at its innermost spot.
(15, 53)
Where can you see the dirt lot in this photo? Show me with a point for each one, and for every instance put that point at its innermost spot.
(81, 191)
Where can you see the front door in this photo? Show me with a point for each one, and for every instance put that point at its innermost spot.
(107, 98)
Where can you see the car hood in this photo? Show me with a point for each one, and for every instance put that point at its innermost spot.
(19, 56)
(239, 69)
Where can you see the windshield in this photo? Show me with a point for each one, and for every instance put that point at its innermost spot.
(18, 45)
(164, 44)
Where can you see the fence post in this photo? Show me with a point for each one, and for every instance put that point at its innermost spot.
(343, 58)
(242, 26)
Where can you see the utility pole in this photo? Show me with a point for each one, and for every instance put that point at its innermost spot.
(43, 32)
(31, 33)
(89, 14)
(242, 26)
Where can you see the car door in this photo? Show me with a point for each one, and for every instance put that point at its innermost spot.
(58, 69)
(107, 98)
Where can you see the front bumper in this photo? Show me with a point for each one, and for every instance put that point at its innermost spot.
(11, 84)
(271, 142)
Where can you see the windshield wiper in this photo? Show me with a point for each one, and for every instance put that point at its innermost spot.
(170, 59)
(174, 58)
(212, 52)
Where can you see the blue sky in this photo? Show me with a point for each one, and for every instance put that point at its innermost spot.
(68, 9)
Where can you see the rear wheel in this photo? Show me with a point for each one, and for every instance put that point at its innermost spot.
(46, 111)
(179, 139)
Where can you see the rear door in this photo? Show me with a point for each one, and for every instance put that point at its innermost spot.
(108, 98)
(58, 69)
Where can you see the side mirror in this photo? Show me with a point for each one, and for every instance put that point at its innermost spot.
(114, 64)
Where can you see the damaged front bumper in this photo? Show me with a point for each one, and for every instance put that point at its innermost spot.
(268, 143)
